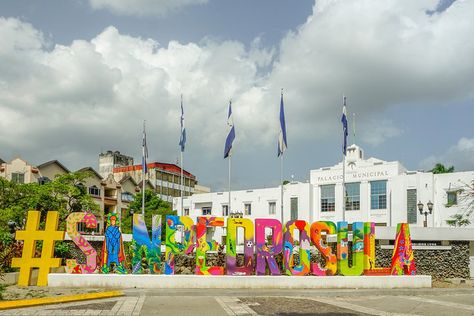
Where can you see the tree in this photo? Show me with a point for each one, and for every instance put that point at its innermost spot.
(63, 194)
(440, 168)
(153, 206)
(466, 202)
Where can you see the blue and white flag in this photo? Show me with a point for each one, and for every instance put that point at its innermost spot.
(344, 126)
(144, 151)
(231, 136)
(182, 139)
(282, 145)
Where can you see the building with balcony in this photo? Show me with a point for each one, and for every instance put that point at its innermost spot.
(163, 178)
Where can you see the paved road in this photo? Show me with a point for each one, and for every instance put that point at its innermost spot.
(452, 302)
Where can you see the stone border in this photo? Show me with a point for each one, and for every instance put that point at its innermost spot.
(160, 281)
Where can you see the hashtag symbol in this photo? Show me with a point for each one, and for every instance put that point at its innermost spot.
(30, 236)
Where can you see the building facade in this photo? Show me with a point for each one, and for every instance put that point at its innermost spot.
(378, 191)
(165, 179)
(110, 195)
(112, 159)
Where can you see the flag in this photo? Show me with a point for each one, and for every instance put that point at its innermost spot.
(145, 151)
(231, 136)
(282, 145)
(182, 139)
(344, 126)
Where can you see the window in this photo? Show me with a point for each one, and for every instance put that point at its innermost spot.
(93, 190)
(328, 198)
(411, 206)
(43, 180)
(206, 211)
(127, 196)
(186, 212)
(248, 208)
(452, 198)
(378, 195)
(18, 177)
(294, 208)
(225, 210)
(353, 196)
(272, 208)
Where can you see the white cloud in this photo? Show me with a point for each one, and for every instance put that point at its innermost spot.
(460, 156)
(92, 95)
(378, 131)
(143, 7)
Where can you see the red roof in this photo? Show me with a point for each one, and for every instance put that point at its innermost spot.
(168, 167)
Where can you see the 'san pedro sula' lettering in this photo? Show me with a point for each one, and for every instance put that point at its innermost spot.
(258, 250)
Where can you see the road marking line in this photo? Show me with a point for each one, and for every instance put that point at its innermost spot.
(350, 306)
(57, 300)
(443, 303)
(138, 307)
(234, 306)
(224, 306)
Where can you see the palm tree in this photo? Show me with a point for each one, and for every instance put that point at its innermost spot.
(440, 168)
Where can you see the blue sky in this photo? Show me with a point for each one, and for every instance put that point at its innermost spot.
(78, 77)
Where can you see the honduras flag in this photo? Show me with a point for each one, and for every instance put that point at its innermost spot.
(344, 126)
(231, 136)
(282, 145)
(182, 139)
(145, 151)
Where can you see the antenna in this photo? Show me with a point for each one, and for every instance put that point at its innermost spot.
(354, 126)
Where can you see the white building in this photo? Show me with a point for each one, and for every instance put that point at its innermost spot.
(378, 191)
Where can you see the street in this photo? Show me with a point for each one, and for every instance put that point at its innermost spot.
(457, 301)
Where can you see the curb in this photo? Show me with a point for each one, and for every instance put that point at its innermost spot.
(57, 300)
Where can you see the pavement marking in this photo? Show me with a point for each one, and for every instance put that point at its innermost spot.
(123, 306)
(139, 305)
(56, 300)
(354, 307)
(443, 303)
(234, 306)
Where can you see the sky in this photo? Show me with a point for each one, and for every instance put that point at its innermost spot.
(78, 78)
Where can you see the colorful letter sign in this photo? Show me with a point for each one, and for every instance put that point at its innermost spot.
(146, 251)
(304, 246)
(172, 246)
(247, 225)
(143, 245)
(266, 251)
(72, 266)
(203, 246)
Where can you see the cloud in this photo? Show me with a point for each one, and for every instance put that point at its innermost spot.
(143, 7)
(72, 101)
(75, 100)
(459, 156)
(378, 131)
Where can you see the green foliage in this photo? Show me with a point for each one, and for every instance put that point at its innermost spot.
(63, 194)
(440, 168)
(62, 249)
(458, 220)
(153, 206)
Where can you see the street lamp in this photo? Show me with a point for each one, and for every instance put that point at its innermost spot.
(422, 212)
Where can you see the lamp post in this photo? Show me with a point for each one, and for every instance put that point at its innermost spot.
(422, 212)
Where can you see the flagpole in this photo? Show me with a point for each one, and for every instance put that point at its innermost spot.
(182, 162)
(281, 183)
(230, 158)
(182, 186)
(143, 175)
(344, 188)
(344, 174)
